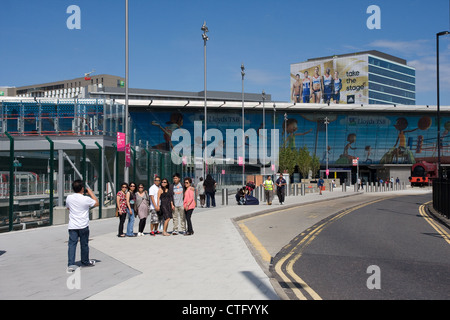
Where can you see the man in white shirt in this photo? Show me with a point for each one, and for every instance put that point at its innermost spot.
(154, 206)
(78, 206)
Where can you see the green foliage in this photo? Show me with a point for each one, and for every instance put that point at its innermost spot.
(289, 158)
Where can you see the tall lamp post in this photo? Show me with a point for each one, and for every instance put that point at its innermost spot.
(274, 117)
(127, 128)
(264, 127)
(205, 39)
(326, 144)
(438, 103)
(243, 127)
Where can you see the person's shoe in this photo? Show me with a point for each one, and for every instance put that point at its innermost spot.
(188, 234)
(152, 233)
(71, 269)
(90, 264)
(174, 233)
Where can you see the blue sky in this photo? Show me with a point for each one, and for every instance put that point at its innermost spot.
(166, 48)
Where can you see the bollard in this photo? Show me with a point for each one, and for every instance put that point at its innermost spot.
(226, 197)
(223, 197)
(303, 189)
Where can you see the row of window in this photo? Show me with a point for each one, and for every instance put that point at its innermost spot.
(391, 66)
(391, 74)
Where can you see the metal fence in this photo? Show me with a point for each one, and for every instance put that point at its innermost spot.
(441, 199)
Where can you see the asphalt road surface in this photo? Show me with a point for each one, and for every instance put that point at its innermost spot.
(374, 248)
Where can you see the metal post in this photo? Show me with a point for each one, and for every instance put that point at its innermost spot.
(243, 127)
(100, 179)
(127, 128)
(51, 178)
(60, 178)
(11, 180)
(438, 104)
(134, 164)
(83, 163)
(205, 39)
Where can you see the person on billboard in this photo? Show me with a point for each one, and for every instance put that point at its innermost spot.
(295, 94)
(316, 86)
(327, 85)
(337, 88)
(306, 88)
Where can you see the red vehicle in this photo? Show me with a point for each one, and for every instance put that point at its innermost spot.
(422, 173)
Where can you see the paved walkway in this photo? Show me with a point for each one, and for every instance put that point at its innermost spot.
(213, 264)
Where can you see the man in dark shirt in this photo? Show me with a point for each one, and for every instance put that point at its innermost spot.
(281, 188)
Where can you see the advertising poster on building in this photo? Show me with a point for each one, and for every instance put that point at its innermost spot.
(331, 80)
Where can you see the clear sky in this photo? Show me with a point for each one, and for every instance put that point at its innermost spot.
(166, 47)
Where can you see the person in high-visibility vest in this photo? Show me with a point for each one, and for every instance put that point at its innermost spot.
(268, 189)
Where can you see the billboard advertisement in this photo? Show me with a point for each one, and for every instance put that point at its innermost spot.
(331, 80)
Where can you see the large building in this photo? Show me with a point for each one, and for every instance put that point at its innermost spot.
(369, 77)
(74, 88)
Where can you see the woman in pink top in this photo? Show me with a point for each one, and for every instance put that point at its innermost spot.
(188, 204)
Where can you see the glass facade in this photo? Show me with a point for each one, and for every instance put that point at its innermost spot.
(374, 138)
(391, 83)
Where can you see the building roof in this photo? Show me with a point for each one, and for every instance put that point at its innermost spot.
(371, 52)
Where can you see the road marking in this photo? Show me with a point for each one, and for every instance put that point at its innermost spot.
(444, 234)
(310, 236)
(265, 255)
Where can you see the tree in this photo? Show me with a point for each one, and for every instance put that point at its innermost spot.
(288, 159)
(315, 165)
(304, 161)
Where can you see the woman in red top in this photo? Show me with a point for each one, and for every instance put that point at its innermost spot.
(188, 204)
(122, 206)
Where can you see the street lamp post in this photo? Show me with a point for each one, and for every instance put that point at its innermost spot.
(243, 127)
(438, 103)
(264, 127)
(127, 128)
(274, 117)
(326, 144)
(205, 39)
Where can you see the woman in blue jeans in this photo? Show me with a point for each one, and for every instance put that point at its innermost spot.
(210, 190)
(131, 200)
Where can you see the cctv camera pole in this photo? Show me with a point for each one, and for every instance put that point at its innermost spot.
(205, 39)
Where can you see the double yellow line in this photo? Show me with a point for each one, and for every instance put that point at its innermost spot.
(443, 233)
(297, 283)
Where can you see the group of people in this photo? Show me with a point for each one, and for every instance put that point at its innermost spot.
(317, 88)
(269, 186)
(164, 201)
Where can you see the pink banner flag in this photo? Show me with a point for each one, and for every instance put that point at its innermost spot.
(120, 141)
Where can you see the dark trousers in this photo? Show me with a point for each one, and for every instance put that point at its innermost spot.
(142, 224)
(210, 195)
(122, 218)
(281, 193)
(188, 214)
(74, 235)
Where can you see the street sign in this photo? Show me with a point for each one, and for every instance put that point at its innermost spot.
(355, 162)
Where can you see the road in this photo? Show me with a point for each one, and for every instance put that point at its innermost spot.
(365, 247)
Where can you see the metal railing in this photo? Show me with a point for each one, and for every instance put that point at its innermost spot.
(441, 199)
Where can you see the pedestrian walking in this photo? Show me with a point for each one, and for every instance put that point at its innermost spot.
(210, 190)
(121, 203)
(188, 204)
(320, 185)
(131, 200)
(179, 218)
(281, 188)
(165, 195)
(201, 192)
(142, 207)
(268, 190)
(78, 205)
(154, 206)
